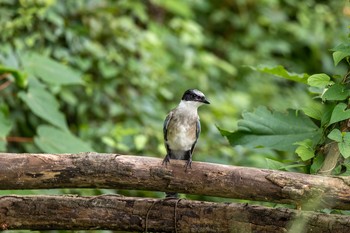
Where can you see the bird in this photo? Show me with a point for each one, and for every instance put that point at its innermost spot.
(181, 129)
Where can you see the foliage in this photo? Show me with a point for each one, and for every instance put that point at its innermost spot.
(280, 71)
(102, 75)
(274, 130)
(297, 132)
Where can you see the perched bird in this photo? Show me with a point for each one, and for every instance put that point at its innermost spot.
(181, 129)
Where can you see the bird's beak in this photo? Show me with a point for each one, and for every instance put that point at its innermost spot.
(206, 101)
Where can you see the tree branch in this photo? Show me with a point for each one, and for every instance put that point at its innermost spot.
(95, 170)
(172, 215)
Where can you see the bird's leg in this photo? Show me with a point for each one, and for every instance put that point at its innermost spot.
(166, 160)
(189, 161)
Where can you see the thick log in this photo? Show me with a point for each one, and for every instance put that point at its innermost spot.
(170, 215)
(94, 170)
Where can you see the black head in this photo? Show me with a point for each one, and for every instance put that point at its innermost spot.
(195, 95)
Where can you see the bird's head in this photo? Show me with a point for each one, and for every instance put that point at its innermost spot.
(196, 96)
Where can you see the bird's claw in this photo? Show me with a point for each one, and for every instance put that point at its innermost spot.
(166, 160)
(188, 164)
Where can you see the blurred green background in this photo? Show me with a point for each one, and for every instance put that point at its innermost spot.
(104, 74)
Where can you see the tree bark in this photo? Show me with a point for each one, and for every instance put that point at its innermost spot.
(168, 215)
(94, 170)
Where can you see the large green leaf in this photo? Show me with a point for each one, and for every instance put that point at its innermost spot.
(49, 70)
(280, 71)
(52, 140)
(44, 105)
(274, 130)
(5, 127)
(336, 92)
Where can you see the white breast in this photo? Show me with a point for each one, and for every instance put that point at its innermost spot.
(182, 128)
(180, 140)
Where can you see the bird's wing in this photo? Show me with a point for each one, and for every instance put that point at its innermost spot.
(198, 130)
(165, 126)
(165, 131)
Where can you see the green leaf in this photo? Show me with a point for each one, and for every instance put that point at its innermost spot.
(290, 167)
(20, 78)
(44, 105)
(224, 132)
(274, 130)
(280, 71)
(49, 70)
(305, 150)
(339, 113)
(338, 56)
(340, 52)
(277, 165)
(5, 127)
(344, 145)
(327, 113)
(314, 110)
(274, 164)
(319, 80)
(336, 92)
(344, 149)
(335, 135)
(317, 163)
(52, 140)
(343, 139)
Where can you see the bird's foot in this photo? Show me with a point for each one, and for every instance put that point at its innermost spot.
(166, 160)
(188, 164)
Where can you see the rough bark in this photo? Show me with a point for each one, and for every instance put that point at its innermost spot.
(90, 170)
(132, 214)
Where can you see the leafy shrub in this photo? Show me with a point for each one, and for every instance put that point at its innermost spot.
(310, 132)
